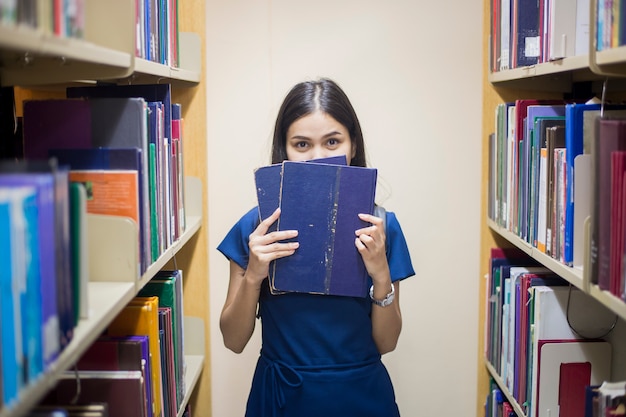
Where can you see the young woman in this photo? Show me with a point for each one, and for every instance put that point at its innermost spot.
(320, 354)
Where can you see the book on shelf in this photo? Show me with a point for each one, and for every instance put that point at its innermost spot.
(543, 128)
(617, 229)
(322, 202)
(582, 27)
(114, 160)
(167, 361)
(502, 164)
(611, 399)
(610, 136)
(565, 368)
(178, 179)
(149, 92)
(16, 210)
(167, 286)
(122, 391)
(113, 193)
(528, 167)
(522, 278)
(494, 298)
(59, 124)
(561, 33)
(122, 353)
(539, 176)
(505, 34)
(555, 139)
(141, 318)
(55, 277)
(585, 318)
(559, 204)
(159, 133)
(525, 38)
(574, 144)
(517, 159)
(79, 249)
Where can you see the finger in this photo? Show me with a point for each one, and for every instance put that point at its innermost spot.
(366, 240)
(371, 219)
(370, 230)
(281, 235)
(266, 223)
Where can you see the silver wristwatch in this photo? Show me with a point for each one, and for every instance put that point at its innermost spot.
(385, 301)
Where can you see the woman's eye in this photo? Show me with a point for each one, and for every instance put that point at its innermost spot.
(301, 145)
(333, 142)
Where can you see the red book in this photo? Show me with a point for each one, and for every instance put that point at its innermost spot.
(610, 137)
(618, 168)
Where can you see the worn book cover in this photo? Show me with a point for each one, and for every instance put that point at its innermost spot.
(322, 202)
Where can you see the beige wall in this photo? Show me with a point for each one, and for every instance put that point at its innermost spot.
(412, 69)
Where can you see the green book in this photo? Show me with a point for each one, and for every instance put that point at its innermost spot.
(167, 286)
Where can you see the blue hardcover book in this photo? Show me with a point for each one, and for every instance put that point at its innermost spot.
(322, 202)
(10, 330)
(47, 263)
(31, 293)
(25, 273)
(267, 180)
(574, 145)
(527, 38)
(59, 244)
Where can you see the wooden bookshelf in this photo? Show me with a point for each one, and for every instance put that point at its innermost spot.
(545, 80)
(42, 64)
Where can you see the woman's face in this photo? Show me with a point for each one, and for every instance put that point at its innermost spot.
(318, 135)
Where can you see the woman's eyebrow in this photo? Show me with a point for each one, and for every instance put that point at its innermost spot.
(333, 133)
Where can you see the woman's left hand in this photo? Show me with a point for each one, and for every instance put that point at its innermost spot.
(370, 242)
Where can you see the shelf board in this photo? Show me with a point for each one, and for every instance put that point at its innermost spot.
(503, 388)
(27, 53)
(613, 56)
(548, 76)
(572, 275)
(24, 40)
(106, 300)
(607, 299)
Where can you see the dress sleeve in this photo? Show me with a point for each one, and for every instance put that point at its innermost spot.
(398, 255)
(235, 244)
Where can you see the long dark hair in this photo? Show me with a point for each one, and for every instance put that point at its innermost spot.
(305, 98)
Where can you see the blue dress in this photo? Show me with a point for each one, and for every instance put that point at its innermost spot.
(318, 356)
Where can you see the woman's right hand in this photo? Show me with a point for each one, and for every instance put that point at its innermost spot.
(266, 247)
